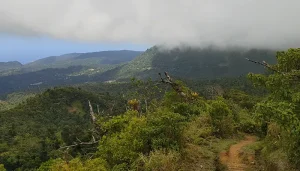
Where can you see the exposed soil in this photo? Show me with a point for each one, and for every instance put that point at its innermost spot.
(72, 109)
(233, 160)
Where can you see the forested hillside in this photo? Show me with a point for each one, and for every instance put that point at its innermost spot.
(195, 63)
(48, 78)
(189, 63)
(33, 131)
(60, 118)
(164, 124)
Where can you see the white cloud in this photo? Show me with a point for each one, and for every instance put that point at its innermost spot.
(254, 23)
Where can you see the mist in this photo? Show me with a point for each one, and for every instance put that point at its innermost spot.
(245, 23)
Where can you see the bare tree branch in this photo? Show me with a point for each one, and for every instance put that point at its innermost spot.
(78, 139)
(81, 143)
(263, 63)
(175, 86)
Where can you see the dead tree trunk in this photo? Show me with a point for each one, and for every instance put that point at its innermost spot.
(93, 140)
(92, 113)
(175, 86)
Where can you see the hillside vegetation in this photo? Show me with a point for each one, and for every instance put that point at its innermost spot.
(33, 131)
(162, 125)
(163, 128)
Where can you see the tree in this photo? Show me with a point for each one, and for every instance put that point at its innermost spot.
(282, 105)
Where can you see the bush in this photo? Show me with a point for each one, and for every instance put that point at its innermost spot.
(158, 161)
(246, 123)
(140, 135)
(74, 165)
(164, 129)
(188, 110)
(198, 130)
(222, 119)
(2, 167)
(126, 145)
(241, 98)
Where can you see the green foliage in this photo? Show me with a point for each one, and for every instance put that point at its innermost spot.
(187, 110)
(198, 130)
(2, 167)
(239, 97)
(169, 129)
(117, 123)
(158, 160)
(247, 123)
(282, 107)
(74, 165)
(124, 146)
(165, 129)
(12, 100)
(34, 130)
(128, 138)
(222, 119)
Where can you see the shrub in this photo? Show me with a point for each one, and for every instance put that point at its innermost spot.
(74, 165)
(124, 146)
(2, 167)
(140, 135)
(246, 123)
(164, 129)
(158, 161)
(186, 109)
(222, 119)
(198, 130)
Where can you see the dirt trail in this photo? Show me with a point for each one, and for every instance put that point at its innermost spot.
(232, 158)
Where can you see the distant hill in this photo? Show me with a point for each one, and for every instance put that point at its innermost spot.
(9, 65)
(93, 59)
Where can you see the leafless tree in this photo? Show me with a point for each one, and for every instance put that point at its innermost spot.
(174, 85)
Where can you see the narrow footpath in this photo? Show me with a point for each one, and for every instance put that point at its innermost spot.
(232, 159)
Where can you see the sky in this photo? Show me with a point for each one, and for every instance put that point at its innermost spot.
(31, 29)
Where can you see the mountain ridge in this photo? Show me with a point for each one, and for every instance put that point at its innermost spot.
(104, 60)
(110, 57)
(188, 63)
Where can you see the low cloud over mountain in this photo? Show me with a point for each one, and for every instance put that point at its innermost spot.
(255, 23)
